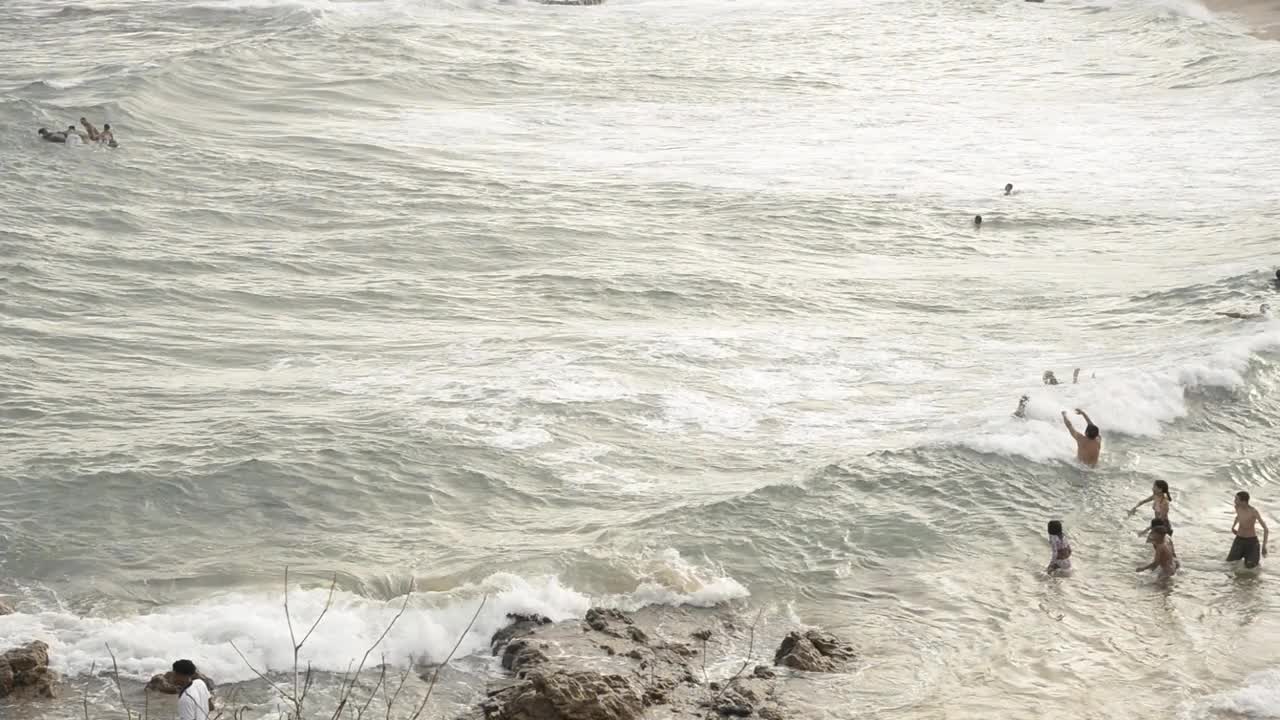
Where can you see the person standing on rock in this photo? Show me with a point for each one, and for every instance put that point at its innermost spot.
(194, 700)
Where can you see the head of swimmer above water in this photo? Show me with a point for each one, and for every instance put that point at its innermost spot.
(1055, 528)
(1092, 432)
(42, 132)
(1008, 189)
(1242, 499)
(977, 221)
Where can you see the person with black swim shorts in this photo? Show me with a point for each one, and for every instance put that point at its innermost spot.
(1245, 546)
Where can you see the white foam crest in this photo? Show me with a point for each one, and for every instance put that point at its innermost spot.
(1259, 698)
(1127, 402)
(669, 579)
(149, 643)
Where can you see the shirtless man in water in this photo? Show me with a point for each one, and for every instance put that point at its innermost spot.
(1245, 546)
(1088, 445)
(1164, 558)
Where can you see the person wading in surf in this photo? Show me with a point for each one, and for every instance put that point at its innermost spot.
(1088, 445)
(1245, 546)
(1164, 557)
(1160, 499)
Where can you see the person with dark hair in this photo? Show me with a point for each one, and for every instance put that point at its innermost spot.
(194, 699)
(1008, 189)
(1160, 524)
(1088, 445)
(1160, 499)
(89, 129)
(74, 137)
(977, 221)
(1245, 546)
(107, 137)
(1021, 412)
(1277, 280)
(1059, 548)
(1164, 558)
(53, 137)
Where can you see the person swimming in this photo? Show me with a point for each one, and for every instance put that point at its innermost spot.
(74, 137)
(977, 221)
(53, 137)
(1264, 311)
(89, 129)
(107, 137)
(1059, 549)
(1048, 378)
(1277, 280)
(1021, 412)
(1008, 189)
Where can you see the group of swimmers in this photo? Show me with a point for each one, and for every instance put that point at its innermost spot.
(72, 136)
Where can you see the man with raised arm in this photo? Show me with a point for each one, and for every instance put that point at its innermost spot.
(1088, 445)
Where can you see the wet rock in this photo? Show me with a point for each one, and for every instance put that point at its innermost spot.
(520, 655)
(167, 683)
(764, 672)
(608, 650)
(6, 608)
(703, 635)
(813, 651)
(637, 635)
(769, 713)
(735, 710)
(681, 649)
(520, 625)
(26, 670)
(635, 654)
(565, 695)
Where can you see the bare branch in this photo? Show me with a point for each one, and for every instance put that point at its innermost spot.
(115, 674)
(284, 695)
(396, 695)
(382, 677)
(345, 693)
(436, 675)
(328, 603)
(92, 667)
(751, 647)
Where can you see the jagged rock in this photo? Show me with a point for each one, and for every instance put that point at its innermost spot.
(167, 684)
(735, 710)
(680, 649)
(520, 655)
(812, 652)
(637, 635)
(564, 695)
(764, 672)
(6, 608)
(608, 650)
(635, 654)
(520, 625)
(703, 635)
(26, 669)
(768, 713)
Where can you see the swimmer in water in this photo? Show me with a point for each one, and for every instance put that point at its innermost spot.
(1050, 379)
(53, 137)
(1164, 558)
(1059, 549)
(977, 221)
(106, 136)
(1264, 311)
(1088, 445)
(74, 137)
(89, 129)
(1021, 412)
(1277, 280)
(1160, 499)
(1168, 531)
(1008, 189)
(1245, 546)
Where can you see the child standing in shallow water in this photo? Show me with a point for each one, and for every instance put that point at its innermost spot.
(1060, 560)
(1160, 499)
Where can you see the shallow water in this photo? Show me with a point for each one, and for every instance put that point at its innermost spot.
(646, 303)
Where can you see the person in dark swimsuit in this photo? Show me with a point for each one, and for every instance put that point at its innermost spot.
(53, 137)
(1245, 546)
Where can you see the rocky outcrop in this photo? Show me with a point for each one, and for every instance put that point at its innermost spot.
(25, 670)
(166, 683)
(6, 608)
(813, 651)
(569, 695)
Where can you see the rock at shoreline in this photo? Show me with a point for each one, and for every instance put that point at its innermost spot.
(6, 608)
(26, 670)
(167, 684)
(520, 625)
(566, 695)
(813, 651)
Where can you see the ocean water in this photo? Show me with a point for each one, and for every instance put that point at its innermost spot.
(655, 303)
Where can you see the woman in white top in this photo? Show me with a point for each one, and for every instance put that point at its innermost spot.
(1060, 560)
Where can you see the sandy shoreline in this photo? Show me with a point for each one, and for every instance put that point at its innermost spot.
(1262, 16)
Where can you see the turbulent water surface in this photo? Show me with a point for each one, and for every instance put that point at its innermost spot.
(656, 302)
